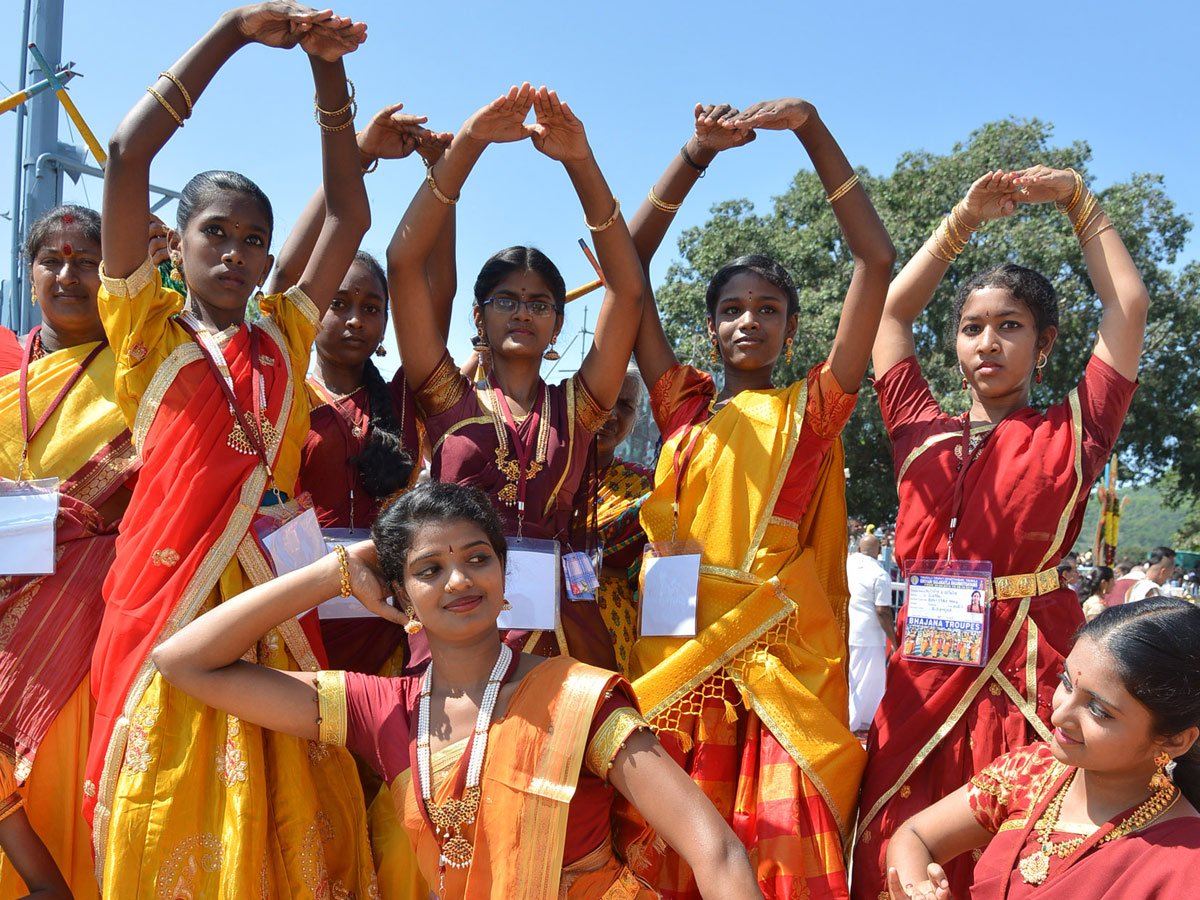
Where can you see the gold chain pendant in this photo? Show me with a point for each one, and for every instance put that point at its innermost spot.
(1035, 867)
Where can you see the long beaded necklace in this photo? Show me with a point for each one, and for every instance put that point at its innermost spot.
(449, 819)
(502, 419)
(1035, 867)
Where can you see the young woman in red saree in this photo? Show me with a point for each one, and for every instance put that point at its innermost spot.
(184, 799)
(1010, 483)
(522, 441)
(59, 418)
(1107, 808)
(754, 707)
(524, 755)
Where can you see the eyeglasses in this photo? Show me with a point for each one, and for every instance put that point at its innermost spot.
(539, 309)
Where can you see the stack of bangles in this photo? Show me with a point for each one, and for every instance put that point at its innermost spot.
(350, 110)
(662, 205)
(1085, 201)
(843, 189)
(951, 236)
(187, 98)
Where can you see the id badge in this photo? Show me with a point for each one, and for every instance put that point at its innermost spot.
(531, 580)
(28, 512)
(295, 543)
(667, 585)
(344, 607)
(579, 573)
(947, 611)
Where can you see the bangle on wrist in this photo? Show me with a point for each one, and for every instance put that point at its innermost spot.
(433, 186)
(371, 166)
(596, 229)
(843, 189)
(344, 566)
(687, 158)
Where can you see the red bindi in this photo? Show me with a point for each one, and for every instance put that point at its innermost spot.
(66, 249)
(67, 219)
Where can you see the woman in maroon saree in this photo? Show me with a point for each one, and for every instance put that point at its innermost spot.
(1107, 809)
(521, 441)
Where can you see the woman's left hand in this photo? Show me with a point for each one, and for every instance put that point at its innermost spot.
(786, 114)
(333, 38)
(367, 583)
(1041, 184)
(936, 887)
(392, 134)
(557, 132)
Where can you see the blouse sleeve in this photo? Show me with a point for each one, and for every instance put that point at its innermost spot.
(905, 397)
(136, 313)
(10, 800)
(296, 316)
(616, 719)
(1104, 398)
(828, 407)
(367, 714)
(678, 397)
(589, 414)
(444, 387)
(1008, 785)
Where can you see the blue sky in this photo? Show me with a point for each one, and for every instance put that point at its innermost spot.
(886, 78)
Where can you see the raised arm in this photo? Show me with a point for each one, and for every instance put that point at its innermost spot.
(1112, 271)
(204, 657)
(151, 122)
(415, 314)
(929, 840)
(684, 817)
(990, 197)
(654, 217)
(560, 135)
(869, 243)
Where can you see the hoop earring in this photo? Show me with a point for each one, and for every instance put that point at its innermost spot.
(551, 354)
(413, 625)
(787, 355)
(1161, 780)
(381, 350)
(1041, 364)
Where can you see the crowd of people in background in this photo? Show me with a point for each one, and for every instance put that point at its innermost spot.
(671, 683)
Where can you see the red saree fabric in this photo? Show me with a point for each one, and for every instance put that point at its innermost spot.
(10, 352)
(1154, 863)
(462, 435)
(1024, 496)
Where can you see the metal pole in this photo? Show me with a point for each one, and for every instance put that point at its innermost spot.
(11, 317)
(69, 105)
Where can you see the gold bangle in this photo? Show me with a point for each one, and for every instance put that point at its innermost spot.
(843, 189)
(372, 167)
(1075, 194)
(659, 203)
(1088, 224)
(344, 565)
(335, 112)
(1099, 231)
(957, 213)
(945, 244)
(442, 198)
(956, 246)
(1085, 211)
(329, 129)
(165, 105)
(187, 98)
(930, 251)
(596, 229)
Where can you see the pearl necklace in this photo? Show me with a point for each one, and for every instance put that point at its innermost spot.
(450, 818)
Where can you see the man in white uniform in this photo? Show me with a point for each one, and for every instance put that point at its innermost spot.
(1159, 570)
(871, 627)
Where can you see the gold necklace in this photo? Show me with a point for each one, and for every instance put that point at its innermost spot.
(511, 468)
(1035, 867)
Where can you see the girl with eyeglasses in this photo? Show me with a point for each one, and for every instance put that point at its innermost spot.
(523, 442)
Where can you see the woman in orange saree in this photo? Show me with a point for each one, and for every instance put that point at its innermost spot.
(503, 765)
(1004, 483)
(185, 800)
(754, 707)
(59, 419)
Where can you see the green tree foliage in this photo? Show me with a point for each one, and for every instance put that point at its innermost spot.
(1162, 429)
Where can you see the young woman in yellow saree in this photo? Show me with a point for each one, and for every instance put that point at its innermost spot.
(503, 765)
(187, 801)
(754, 707)
(59, 419)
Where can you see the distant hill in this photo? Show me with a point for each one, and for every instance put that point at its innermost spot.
(1146, 522)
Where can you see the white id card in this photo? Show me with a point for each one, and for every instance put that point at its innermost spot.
(668, 584)
(28, 510)
(295, 543)
(343, 607)
(531, 585)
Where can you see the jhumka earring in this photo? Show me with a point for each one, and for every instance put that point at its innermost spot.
(713, 354)
(381, 350)
(1041, 364)
(33, 295)
(551, 354)
(175, 275)
(505, 606)
(790, 352)
(413, 625)
(1161, 780)
(965, 386)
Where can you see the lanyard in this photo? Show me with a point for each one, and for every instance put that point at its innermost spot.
(250, 427)
(963, 465)
(521, 449)
(23, 392)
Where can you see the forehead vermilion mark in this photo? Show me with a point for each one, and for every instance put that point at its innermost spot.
(66, 249)
(68, 219)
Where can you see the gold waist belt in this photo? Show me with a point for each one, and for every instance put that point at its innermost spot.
(1033, 584)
